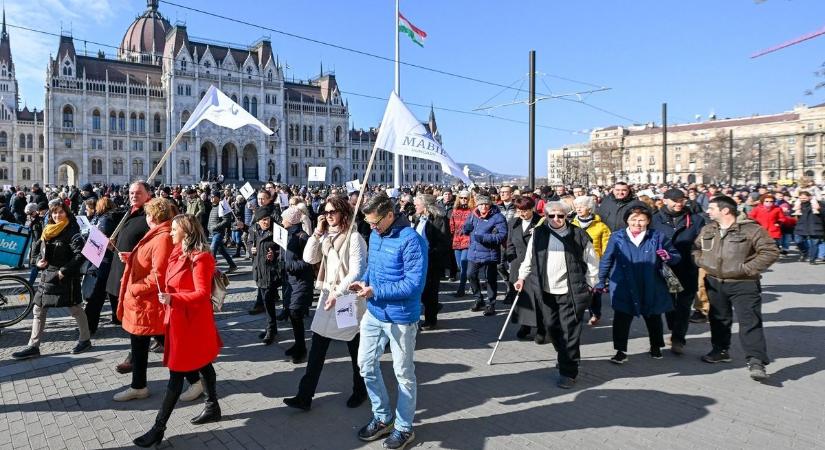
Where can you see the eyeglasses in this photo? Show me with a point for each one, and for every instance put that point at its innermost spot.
(375, 224)
(329, 213)
(556, 216)
(463, 198)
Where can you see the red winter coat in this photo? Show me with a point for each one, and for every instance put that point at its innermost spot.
(192, 340)
(457, 219)
(145, 270)
(770, 219)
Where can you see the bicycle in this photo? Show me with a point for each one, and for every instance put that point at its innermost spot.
(16, 299)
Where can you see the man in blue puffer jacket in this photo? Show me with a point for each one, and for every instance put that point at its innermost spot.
(487, 229)
(392, 285)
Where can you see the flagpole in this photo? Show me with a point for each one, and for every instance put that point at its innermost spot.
(396, 159)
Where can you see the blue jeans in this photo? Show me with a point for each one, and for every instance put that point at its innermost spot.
(401, 337)
(461, 262)
(821, 250)
(813, 247)
(217, 246)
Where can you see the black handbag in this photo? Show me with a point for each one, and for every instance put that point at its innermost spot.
(674, 286)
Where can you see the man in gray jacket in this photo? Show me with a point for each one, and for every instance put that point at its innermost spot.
(217, 226)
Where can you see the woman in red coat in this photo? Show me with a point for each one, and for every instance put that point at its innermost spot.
(769, 216)
(191, 338)
(464, 206)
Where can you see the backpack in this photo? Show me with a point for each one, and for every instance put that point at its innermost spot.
(220, 282)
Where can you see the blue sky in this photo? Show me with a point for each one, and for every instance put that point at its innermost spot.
(693, 55)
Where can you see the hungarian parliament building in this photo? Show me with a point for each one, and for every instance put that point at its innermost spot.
(108, 120)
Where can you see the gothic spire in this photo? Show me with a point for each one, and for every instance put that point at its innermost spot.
(431, 121)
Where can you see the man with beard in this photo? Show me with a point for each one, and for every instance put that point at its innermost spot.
(612, 208)
(682, 226)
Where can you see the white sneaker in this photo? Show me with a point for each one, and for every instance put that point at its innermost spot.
(194, 391)
(131, 394)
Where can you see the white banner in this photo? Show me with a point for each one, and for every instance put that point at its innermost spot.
(403, 134)
(219, 109)
(353, 186)
(317, 174)
(225, 208)
(247, 190)
(279, 235)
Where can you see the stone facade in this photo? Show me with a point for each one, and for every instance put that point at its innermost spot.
(785, 146)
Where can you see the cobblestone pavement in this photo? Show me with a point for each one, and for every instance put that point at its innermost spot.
(64, 401)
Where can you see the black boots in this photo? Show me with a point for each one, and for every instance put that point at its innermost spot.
(211, 410)
(269, 336)
(155, 435)
(298, 352)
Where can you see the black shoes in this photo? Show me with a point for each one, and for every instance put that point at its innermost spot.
(478, 306)
(298, 354)
(355, 400)
(523, 333)
(717, 356)
(374, 430)
(298, 403)
(656, 353)
(566, 382)
(27, 353)
(152, 437)
(677, 348)
(284, 315)
(490, 310)
(268, 336)
(698, 317)
(257, 309)
(156, 347)
(619, 358)
(427, 326)
(541, 339)
(756, 370)
(82, 346)
(398, 440)
(211, 413)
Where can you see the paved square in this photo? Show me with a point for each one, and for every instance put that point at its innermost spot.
(64, 401)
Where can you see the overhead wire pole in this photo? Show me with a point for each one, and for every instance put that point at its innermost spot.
(396, 158)
(730, 157)
(664, 142)
(531, 170)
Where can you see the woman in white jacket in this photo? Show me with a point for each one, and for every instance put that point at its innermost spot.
(342, 263)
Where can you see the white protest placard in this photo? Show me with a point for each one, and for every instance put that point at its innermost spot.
(204, 184)
(392, 193)
(84, 223)
(279, 235)
(345, 312)
(317, 174)
(225, 208)
(6, 187)
(353, 186)
(95, 246)
(283, 200)
(247, 190)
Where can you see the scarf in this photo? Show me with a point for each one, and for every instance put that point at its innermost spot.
(51, 230)
(333, 242)
(586, 221)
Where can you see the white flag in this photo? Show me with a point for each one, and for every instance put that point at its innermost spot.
(219, 109)
(403, 134)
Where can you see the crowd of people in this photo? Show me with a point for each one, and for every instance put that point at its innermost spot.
(690, 253)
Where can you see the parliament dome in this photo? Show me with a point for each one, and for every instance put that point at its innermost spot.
(146, 36)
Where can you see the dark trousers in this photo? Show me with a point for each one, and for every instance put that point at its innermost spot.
(679, 319)
(596, 305)
(315, 364)
(296, 318)
(94, 305)
(113, 305)
(813, 247)
(268, 296)
(175, 387)
(140, 359)
(429, 297)
(563, 320)
(453, 267)
(745, 297)
(621, 330)
(491, 272)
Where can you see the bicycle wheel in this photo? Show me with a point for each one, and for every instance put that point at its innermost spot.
(16, 299)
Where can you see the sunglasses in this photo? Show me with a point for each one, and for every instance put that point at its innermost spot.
(556, 216)
(375, 224)
(329, 213)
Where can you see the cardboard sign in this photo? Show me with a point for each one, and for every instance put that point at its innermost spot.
(225, 208)
(6, 187)
(247, 190)
(392, 193)
(317, 174)
(84, 223)
(280, 235)
(345, 312)
(95, 246)
(353, 186)
(283, 200)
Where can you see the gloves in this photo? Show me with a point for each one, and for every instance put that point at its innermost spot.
(663, 254)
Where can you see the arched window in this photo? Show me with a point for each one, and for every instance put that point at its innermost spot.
(112, 121)
(133, 122)
(97, 166)
(309, 133)
(254, 106)
(269, 76)
(68, 117)
(96, 120)
(273, 124)
(234, 98)
(27, 174)
(338, 135)
(121, 121)
(246, 103)
(156, 123)
(117, 167)
(29, 141)
(183, 64)
(142, 123)
(137, 167)
(4, 139)
(183, 118)
(22, 140)
(304, 133)
(321, 135)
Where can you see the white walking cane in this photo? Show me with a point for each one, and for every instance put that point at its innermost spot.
(501, 335)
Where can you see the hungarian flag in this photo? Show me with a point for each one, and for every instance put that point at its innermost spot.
(416, 34)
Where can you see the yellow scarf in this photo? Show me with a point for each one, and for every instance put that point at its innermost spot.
(51, 230)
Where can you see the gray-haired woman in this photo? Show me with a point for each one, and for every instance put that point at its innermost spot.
(430, 221)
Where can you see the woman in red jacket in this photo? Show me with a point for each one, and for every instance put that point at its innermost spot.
(191, 338)
(464, 206)
(769, 216)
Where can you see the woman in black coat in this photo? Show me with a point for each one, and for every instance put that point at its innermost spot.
(95, 279)
(430, 221)
(528, 315)
(60, 260)
(299, 275)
